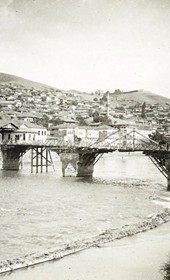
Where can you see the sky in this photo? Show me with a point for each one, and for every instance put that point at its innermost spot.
(88, 45)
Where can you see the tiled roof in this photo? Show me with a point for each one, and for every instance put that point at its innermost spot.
(33, 125)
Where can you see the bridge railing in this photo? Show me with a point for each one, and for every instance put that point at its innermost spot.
(26, 143)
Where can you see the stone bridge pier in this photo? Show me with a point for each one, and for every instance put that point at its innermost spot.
(66, 159)
(85, 165)
(11, 157)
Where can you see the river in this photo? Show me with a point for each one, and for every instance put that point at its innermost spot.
(39, 212)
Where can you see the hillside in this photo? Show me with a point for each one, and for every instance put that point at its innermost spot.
(140, 96)
(19, 81)
(24, 99)
(128, 98)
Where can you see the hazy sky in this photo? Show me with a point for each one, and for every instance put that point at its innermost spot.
(88, 44)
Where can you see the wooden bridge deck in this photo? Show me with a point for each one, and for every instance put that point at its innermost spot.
(92, 148)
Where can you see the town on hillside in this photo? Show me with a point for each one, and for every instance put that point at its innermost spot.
(72, 115)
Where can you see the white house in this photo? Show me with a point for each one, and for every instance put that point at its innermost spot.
(64, 131)
(31, 132)
(92, 133)
(22, 132)
(80, 132)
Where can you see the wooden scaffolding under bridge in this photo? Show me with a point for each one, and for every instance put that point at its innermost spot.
(41, 157)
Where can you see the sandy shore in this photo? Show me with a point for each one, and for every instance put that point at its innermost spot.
(132, 258)
(151, 222)
(138, 257)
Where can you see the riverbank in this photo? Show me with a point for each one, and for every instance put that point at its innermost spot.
(46, 217)
(139, 257)
(149, 223)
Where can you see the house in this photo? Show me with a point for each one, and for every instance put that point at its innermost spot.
(65, 131)
(16, 132)
(84, 134)
(6, 129)
(32, 132)
(28, 117)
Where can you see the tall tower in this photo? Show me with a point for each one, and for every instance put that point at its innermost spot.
(108, 103)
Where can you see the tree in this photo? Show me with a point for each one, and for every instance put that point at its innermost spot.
(105, 120)
(166, 270)
(103, 99)
(96, 116)
(43, 121)
(57, 121)
(81, 120)
(117, 91)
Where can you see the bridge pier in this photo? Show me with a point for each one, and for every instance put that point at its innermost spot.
(66, 159)
(11, 157)
(85, 165)
(85, 170)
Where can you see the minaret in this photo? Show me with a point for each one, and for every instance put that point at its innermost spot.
(108, 103)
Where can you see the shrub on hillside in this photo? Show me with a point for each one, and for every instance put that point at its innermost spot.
(166, 271)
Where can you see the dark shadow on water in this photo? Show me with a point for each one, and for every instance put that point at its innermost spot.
(85, 179)
(9, 173)
(165, 270)
(12, 174)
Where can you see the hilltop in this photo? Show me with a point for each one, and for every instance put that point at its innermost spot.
(139, 96)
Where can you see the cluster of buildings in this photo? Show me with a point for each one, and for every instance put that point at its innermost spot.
(15, 132)
(35, 115)
(33, 105)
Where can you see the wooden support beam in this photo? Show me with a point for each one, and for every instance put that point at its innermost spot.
(41, 159)
(32, 160)
(46, 161)
(37, 160)
(161, 168)
(133, 139)
(168, 173)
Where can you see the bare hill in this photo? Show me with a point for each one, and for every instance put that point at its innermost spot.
(125, 98)
(138, 96)
(16, 80)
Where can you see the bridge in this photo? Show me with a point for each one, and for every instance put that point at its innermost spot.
(84, 155)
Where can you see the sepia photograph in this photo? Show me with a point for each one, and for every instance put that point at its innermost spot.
(85, 139)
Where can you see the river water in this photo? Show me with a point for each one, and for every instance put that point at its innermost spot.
(45, 211)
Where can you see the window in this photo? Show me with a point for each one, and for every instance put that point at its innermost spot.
(38, 132)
